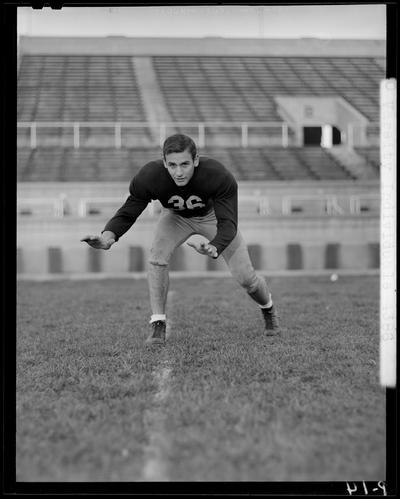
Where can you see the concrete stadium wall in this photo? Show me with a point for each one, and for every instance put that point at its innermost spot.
(48, 246)
(213, 46)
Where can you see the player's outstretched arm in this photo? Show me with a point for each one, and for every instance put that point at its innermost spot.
(104, 241)
(204, 249)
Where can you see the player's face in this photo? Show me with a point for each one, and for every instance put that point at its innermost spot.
(180, 166)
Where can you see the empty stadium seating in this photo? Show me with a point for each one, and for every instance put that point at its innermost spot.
(78, 89)
(104, 89)
(196, 88)
(243, 88)
(102, 164)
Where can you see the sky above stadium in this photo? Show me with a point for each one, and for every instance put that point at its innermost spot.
(321, 21)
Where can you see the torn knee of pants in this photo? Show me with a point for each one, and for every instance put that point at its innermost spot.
(158, 262)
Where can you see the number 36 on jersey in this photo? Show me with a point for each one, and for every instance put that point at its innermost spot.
(191, 203)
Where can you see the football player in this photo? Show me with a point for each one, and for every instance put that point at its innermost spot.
(199, 196)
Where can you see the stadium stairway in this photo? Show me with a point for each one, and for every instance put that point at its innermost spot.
(355, 163)
(151, 96)
(372, 157)
(321, 164)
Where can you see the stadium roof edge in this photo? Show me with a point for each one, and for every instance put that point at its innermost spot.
(211, 46)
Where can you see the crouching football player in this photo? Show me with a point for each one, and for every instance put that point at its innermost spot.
(199, 196)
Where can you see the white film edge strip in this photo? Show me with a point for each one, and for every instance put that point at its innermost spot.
(388, 233)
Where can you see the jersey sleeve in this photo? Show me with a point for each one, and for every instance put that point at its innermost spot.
(226, 212)
(125, 217)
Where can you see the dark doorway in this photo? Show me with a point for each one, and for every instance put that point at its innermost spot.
(336, 136)
(312, 135)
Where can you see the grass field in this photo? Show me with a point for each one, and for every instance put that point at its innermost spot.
(221, 402)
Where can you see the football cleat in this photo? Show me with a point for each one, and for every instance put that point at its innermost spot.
(157, 336)
(271, 320)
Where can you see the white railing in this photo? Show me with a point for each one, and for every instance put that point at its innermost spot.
(258, 205)
(160, 130)
(328, 203)
(254, 205)
(85, 204)
(249, 204)
(57, 205)
(358, 134)
(355, 201)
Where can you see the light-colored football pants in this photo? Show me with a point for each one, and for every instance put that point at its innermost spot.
(172, 230)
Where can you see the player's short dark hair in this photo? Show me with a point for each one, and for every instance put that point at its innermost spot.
(179, 143)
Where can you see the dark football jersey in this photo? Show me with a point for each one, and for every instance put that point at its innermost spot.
(211, 186)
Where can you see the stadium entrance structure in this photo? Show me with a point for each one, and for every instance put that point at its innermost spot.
(325, 136)
(325, 121)
(312, 135)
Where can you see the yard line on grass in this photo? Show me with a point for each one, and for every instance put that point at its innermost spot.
(155, 466)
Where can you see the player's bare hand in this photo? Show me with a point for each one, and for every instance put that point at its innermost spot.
(98, 242)
(205, 249)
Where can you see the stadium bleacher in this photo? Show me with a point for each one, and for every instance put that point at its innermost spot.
(243, 88)
(66, 89)
(78, 88)
(110, 164)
